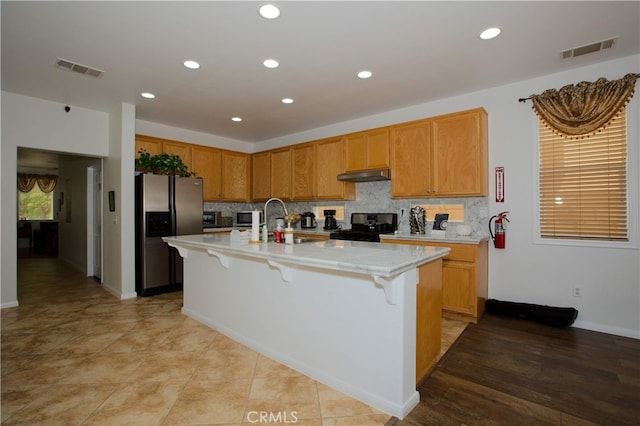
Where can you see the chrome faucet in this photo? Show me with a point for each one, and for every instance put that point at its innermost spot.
(286, 212)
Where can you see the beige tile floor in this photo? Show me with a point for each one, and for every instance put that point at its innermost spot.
(72, 354)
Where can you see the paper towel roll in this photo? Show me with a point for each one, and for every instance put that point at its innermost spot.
(255, 225)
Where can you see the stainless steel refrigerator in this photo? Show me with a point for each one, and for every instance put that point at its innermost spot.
(165, 206)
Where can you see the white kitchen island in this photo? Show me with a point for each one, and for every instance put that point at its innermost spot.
(340, 312)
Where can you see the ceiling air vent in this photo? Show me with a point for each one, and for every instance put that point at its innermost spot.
(589, 48)
(79, 68)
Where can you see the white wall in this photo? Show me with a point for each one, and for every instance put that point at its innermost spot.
(118, 226)
(533, 272)
(127, 143)
(184, 135)
(36, 123)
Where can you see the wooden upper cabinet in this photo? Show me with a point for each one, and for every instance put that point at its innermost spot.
(411, 159)
(150, 144)
(281, 173)
(355, 151)
(236, 172)
(444, 156)
(261, 176)
(207, 164)
(303, 172)
(367, 150)
(329, 164)
(460, 153)
(179, 148)
(225, 174)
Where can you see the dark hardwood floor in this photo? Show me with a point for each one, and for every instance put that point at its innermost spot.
(509, 371)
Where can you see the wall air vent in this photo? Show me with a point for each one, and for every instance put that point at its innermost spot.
(589, 48)
(79, 68)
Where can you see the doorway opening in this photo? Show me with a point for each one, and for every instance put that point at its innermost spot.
(76, 225)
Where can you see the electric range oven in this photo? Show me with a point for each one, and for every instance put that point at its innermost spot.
(367, 227)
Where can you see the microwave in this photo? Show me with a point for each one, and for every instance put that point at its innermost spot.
(244, 218)
(211, 219)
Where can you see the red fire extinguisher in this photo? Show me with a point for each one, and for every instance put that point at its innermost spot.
(499, 239)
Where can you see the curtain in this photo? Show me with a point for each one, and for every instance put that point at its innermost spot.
(26, 182)
(585, 108)
(46, 183)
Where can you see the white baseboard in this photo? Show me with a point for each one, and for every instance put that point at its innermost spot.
(12, 304)
(617, 331)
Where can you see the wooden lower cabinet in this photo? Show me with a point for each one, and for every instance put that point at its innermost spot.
(464, 278)
(428, 317)
(311, 235)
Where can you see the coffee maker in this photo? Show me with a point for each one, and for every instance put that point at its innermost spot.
(330, 220)
(307, 220)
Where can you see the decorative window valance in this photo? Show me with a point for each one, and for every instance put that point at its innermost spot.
(583, 109)
(46, 183)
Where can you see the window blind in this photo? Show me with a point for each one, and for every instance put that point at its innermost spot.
(583, 184)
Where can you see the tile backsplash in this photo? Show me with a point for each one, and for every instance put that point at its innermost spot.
(374, 197)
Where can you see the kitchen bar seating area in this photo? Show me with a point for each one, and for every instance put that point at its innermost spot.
(333, 310)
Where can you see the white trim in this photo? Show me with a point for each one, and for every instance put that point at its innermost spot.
(624, 332)
(118, 294)
(90, 217)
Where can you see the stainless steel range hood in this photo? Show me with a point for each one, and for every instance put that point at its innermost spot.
(366, 175)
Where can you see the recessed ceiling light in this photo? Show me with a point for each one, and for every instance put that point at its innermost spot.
(193, 65)
(490, 33)
(147, 95)
(269, 11)
(236, 119)
(287, 101)
(271, 63)
(365, 74)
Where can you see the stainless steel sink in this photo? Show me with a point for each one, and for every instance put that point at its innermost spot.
(300, 240)
(297, 240)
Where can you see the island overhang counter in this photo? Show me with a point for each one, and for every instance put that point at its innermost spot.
(341, 312)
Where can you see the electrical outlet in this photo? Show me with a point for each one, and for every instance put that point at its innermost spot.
(577, 292)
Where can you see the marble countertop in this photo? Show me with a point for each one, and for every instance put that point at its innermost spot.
(318, 231)
(382, 260)
(448, 238)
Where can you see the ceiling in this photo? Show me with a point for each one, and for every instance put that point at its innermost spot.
(418, 52)
(37, 161)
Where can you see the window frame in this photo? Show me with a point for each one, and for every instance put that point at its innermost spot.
(633, 188)
(53, 206)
